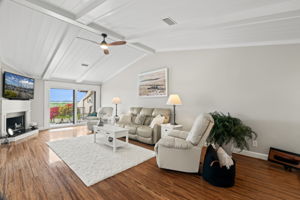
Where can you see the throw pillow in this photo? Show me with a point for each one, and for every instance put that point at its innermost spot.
(140, 119)
(224, 158)
(93, 114)
(157, 120)
(125, 119)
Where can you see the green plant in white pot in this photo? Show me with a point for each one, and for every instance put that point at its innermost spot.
(230, 130)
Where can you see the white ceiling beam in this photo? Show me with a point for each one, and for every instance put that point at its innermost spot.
(92, 6)
(96, 13)
(52, 8)
(71, 21)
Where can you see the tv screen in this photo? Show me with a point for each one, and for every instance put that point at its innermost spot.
(17, 87)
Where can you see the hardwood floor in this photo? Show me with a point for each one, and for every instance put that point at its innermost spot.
(30, 170)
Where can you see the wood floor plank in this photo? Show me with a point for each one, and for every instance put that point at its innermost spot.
(30, 170)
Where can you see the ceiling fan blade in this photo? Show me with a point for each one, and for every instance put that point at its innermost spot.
(88, 40)
(117, 43)
(106, 52)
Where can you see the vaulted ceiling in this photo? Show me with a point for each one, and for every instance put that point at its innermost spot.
(39, 37)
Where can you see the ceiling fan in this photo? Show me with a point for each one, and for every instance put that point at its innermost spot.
(104, 45)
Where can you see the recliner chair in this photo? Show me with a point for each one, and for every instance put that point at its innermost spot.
(104, 112)
(181, 150)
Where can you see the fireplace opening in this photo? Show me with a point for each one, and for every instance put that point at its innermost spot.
(16, 122)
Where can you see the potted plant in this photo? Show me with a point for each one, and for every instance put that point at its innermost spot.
(230, 131)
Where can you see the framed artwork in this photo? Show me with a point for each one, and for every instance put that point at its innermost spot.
(153, 83)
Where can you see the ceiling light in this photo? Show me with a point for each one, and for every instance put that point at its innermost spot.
(103, 45)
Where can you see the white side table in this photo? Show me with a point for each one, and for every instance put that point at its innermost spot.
(167, 128)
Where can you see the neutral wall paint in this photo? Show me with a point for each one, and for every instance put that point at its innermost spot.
(260, 85)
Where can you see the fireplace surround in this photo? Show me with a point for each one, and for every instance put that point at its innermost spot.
(15, 114)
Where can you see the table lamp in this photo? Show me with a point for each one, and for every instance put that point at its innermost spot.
(174, 100)
(116, 100)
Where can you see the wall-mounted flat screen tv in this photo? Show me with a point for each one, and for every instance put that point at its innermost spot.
(17, 86)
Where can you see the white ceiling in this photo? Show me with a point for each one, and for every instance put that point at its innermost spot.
(38, 37)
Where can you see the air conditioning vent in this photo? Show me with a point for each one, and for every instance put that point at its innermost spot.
(84, 65)
(169, 21)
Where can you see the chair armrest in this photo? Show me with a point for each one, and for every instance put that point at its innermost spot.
(156, 133)
(178, 134)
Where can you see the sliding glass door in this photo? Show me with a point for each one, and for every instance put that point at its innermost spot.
(69, 106)
(86, 104)
(61, 106)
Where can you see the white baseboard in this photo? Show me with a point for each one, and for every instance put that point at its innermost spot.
(251, 154)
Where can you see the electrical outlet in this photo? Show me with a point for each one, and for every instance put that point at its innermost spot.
(254, 143)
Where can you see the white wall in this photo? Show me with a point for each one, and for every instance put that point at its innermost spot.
(260, 85)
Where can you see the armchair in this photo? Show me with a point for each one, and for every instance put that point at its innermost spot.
(103, 112)
(181, 150)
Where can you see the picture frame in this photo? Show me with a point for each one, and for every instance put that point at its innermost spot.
(153, 83)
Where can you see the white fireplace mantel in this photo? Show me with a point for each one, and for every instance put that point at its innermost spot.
(13, 106)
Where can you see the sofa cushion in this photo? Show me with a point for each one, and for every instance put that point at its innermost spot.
(164, 112)
(147, 111)
(148, 120)
(135, 110)
(131, 128)
(144, 131)
(200, 125)
(140, 119)
(125, 119)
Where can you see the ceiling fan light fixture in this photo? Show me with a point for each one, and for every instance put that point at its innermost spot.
(103, 45)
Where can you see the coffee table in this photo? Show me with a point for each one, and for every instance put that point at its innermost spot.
(111, 131)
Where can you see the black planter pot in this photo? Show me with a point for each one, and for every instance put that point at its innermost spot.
(214, 174)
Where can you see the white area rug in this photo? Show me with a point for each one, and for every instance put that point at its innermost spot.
(94, 162)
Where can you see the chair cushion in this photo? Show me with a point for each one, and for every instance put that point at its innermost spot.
(178, 134)
(105, 111)
(199, 127)
(140, 119)
(172, 142)
(131, 128)
(144, 131)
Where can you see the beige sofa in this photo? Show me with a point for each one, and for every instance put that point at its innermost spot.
(181, 150)
(143, 132)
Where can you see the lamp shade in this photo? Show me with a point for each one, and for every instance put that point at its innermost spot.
(174, 100)
(116, 100)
